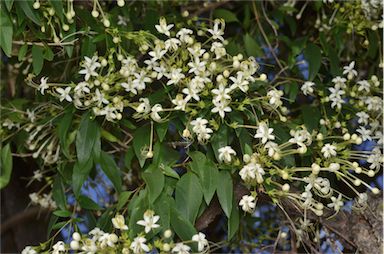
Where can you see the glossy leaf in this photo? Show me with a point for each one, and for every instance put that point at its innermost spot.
(154, 179)
(111, 170)
(225, 192)
(6, 166)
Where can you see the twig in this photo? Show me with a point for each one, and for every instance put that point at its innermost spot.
(59, 44)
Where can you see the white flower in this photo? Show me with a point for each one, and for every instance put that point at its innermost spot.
(307, 87)
(264, 132)
(59, 247)
(191, 92)
(157, 53)
(201, 241)
(365, 134)
(336, 102)
(82, 88)
(175, 76)
(119, 222)
(155, 112)
(222, 93)
(239, 82)
(275, 97)
(247, 203)
(217, 32)
(225, 154)
(339, 82)
(349, 70)
(172, 44)
(183, 34)
(99, 98)
(149, 221)
(28, 250)
(337, 203)
(138, 245)
(200, 128)
(363, 117)
(163, 28)
(376, 159)
(272, 148)
(144, 107)
(363, 85)
(221, 107)
(251, 171)
(64, 93)
(197, 66)
(329, 150)
(43, 85)
(90, 65)
(141, 79)
(181, 248)
(180, 102)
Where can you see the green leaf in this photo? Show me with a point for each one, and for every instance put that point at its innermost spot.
(163, 209)
(228, 16)
(37, 59)
(225, 192)
(207, 172)
(9, 4)
(52, 221)
(128, 157)
(123, 199)
(85, 138)
(6, 32)
(26, 6)
(140, 141)
(58, 193)
(58, 7)
(111, 170)
(109, 136)
(62, 130)
(87, 203)
(234, 220)
(48, 54)
(161, 130)
(62, 213)
(312, 54)
(334, 62)
(251, 46)
(311, 117)
(168, 171)
(6, 165)
(220, 139)
(183, 228)
(80, 174)
(189, 195)
(22, 52)
(154, 179)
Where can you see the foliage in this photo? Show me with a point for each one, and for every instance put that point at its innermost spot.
(188, 113)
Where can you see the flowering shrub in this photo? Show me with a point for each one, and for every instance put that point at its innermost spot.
(184, 121)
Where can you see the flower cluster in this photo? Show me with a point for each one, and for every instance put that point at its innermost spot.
(97, 240)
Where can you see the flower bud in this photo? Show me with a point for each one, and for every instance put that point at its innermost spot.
(106, 23)
(167, 233)
(285, 187)
(95, 13)
(74, 245)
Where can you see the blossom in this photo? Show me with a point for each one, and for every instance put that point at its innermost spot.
(363, 85)
(181, 248)
(59, 247)
(221, 107)
(100, 98)
(365, 134)
(155, 112)
(362, 117)
(138, 245)
(119, 222)
(175, 76)
(43, 85)
(149, 221)
(217, 32)
(247, 203)
(28, 250)
(328, 150)
(376, 159)
(144, 107)
(90, 65)
(163, 28)
(225, 154)
(307, 87)
(239, 82)
(141, 79)
(275, 97)
(201, 241)
(200, 128)
(339, 82)
(264, 133)
(64, 93)
(349, 70)
(252, 171)
(180, 102)
(337, 203)
(183, 34)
